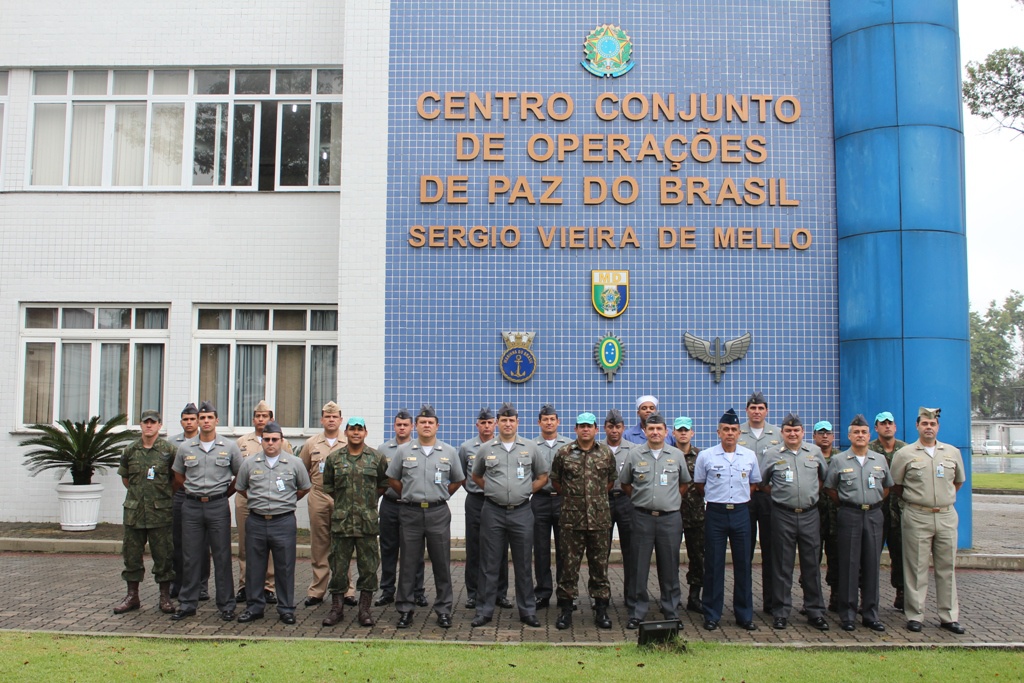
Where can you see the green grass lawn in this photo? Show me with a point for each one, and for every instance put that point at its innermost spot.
(47, 657)
(998, 481)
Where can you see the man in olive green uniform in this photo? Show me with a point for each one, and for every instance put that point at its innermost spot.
(824, 438)
(355, 476)
(583, 472)
(887, 444)
(758, 435)
(251, 444)
(928, 474)
(693, 516)
(145, 470)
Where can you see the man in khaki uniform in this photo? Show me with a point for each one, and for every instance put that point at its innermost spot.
(251, 444)
(927, 475)
(321, 506)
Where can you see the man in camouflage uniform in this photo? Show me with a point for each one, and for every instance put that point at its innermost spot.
(145, 470)
(693, 516)
(583, 472)
(355, 476)
(824, 438)
(892, 530)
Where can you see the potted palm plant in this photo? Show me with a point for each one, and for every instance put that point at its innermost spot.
(83, 448)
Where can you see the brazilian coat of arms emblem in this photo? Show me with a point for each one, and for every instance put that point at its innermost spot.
(609, 52)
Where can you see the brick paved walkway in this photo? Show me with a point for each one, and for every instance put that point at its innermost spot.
(76, 592)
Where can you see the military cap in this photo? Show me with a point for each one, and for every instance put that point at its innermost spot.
(614, 417)
(729, 418)
(485, 413)
(262, 407)
(929, 413)
(547, 409)
(151, 415)
(858, 421)
(355, 422)
(273, 428)
(823, 426)
(190, 409)
(507, 410)
(207, 407)
(426, 410)
(683, 423)
(586, 419)
(403, 414)
(646, 399)
(792, 420)
(655, 419)
(757, 398)
(330, 408)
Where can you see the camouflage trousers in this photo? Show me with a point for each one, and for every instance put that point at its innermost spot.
(596, 544)
(367, 553)
(694, 538)
(161, 545)
(892, 535)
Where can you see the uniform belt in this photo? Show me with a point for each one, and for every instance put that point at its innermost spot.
(424, 505)
(270, 517)
(550, 494)
(474, 493)
(656, 513)
(855, 506)
(796, 510)
(206, 499)
(507, 507)
(727, 506)
(616, 494)
(925, 508)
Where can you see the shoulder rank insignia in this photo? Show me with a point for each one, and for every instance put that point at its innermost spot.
(518, 364)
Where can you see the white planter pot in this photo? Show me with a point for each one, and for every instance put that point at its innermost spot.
(79, 506)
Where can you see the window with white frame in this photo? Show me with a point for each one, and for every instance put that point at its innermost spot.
(82, 360)
(228, 129)
(287, 355)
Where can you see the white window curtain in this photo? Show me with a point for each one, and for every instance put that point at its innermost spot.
(39, 376)
(87, 144)
(48, 144)
(113, 380)
(129, 144)
(149, 379)
(214, 380)
(323, 380)
(291, 385)
(250, 380)
(165, 146)
(75, 374)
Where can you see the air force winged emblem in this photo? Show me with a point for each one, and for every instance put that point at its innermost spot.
(714, 354)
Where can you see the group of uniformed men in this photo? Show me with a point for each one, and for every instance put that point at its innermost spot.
(759, 480)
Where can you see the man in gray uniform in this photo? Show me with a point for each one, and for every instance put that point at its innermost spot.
(474, 507)
(621, 505)
(507, 469)
(273, 483)
(190, 425)
(390, 527)
(547, 508)
(757, 435)
(206, 466)
(858, 481)
(656, 478)
(425, 473)
(792, 474)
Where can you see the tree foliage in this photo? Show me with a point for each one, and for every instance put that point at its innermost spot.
(997, 350)
(994, 88)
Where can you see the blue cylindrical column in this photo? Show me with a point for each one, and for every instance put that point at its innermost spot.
(903, 306)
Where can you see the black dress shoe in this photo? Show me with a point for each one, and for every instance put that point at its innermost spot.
(350, 600)
(182, 613)
(874, 625)
(204, 595)
(287, 618)
(228, 615)
(480, 621)
(530, 620)
(747, 625)
(471, 604)
(953, 627)
(914, 626)
(310, 601)
(444, 620)
(848, 626)
(405, 619)
(270, 598)
(710, 625)
(633, 624)
(384, 600)
(505, 603)
(421, 601)
(247, 616)
(239, 596)
(819, 623)
(779, 623)
(543, 603)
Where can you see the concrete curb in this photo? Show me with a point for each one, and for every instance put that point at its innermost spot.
(998, 492)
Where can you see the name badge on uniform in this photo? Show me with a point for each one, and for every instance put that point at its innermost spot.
(151, 474)
(871, 482)
(322, 463)
(520, 472)
(789, 476)
(438, 477)
(663, 479)
(280, 484)
(940, 471)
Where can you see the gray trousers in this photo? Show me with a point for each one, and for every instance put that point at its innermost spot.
(860, 547)
(622, 517)
(662, 536)
(500, 529)
(206, 526)
(390, 539)
(179, 556)
(791, 530)
(547, 510)
(277, 538)
(433, 527)
(760, 508)
(474, 551)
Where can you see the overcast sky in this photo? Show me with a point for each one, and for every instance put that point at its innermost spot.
(995, 164)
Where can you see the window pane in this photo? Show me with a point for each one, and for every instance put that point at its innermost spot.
(41, 318)
(289, 320)
(214, 319)
(291, 385)
(87, 122)
(114, 318)
(323, 321)
(252, 319)
(89, 83)
(294, 145)
(151, 319)
(252, 82)
(250, 380)
(149, 379)
(48, 144)
(78, 318)
(323, 379)
(3, 83)
(74, 381)
(211, 81)
(328, 136)
(51, 83)
(170, 82)
(328, 81)
(129, 143)
(165, 144)
(39, 365)
(209, 164)
(242, 150)
(213, 375)
(293, 81)
(131, 82)
(113, 380)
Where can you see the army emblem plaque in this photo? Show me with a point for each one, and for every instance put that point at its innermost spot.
(609, 292)
(518, 364)
(609, 354)
(609, 52)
